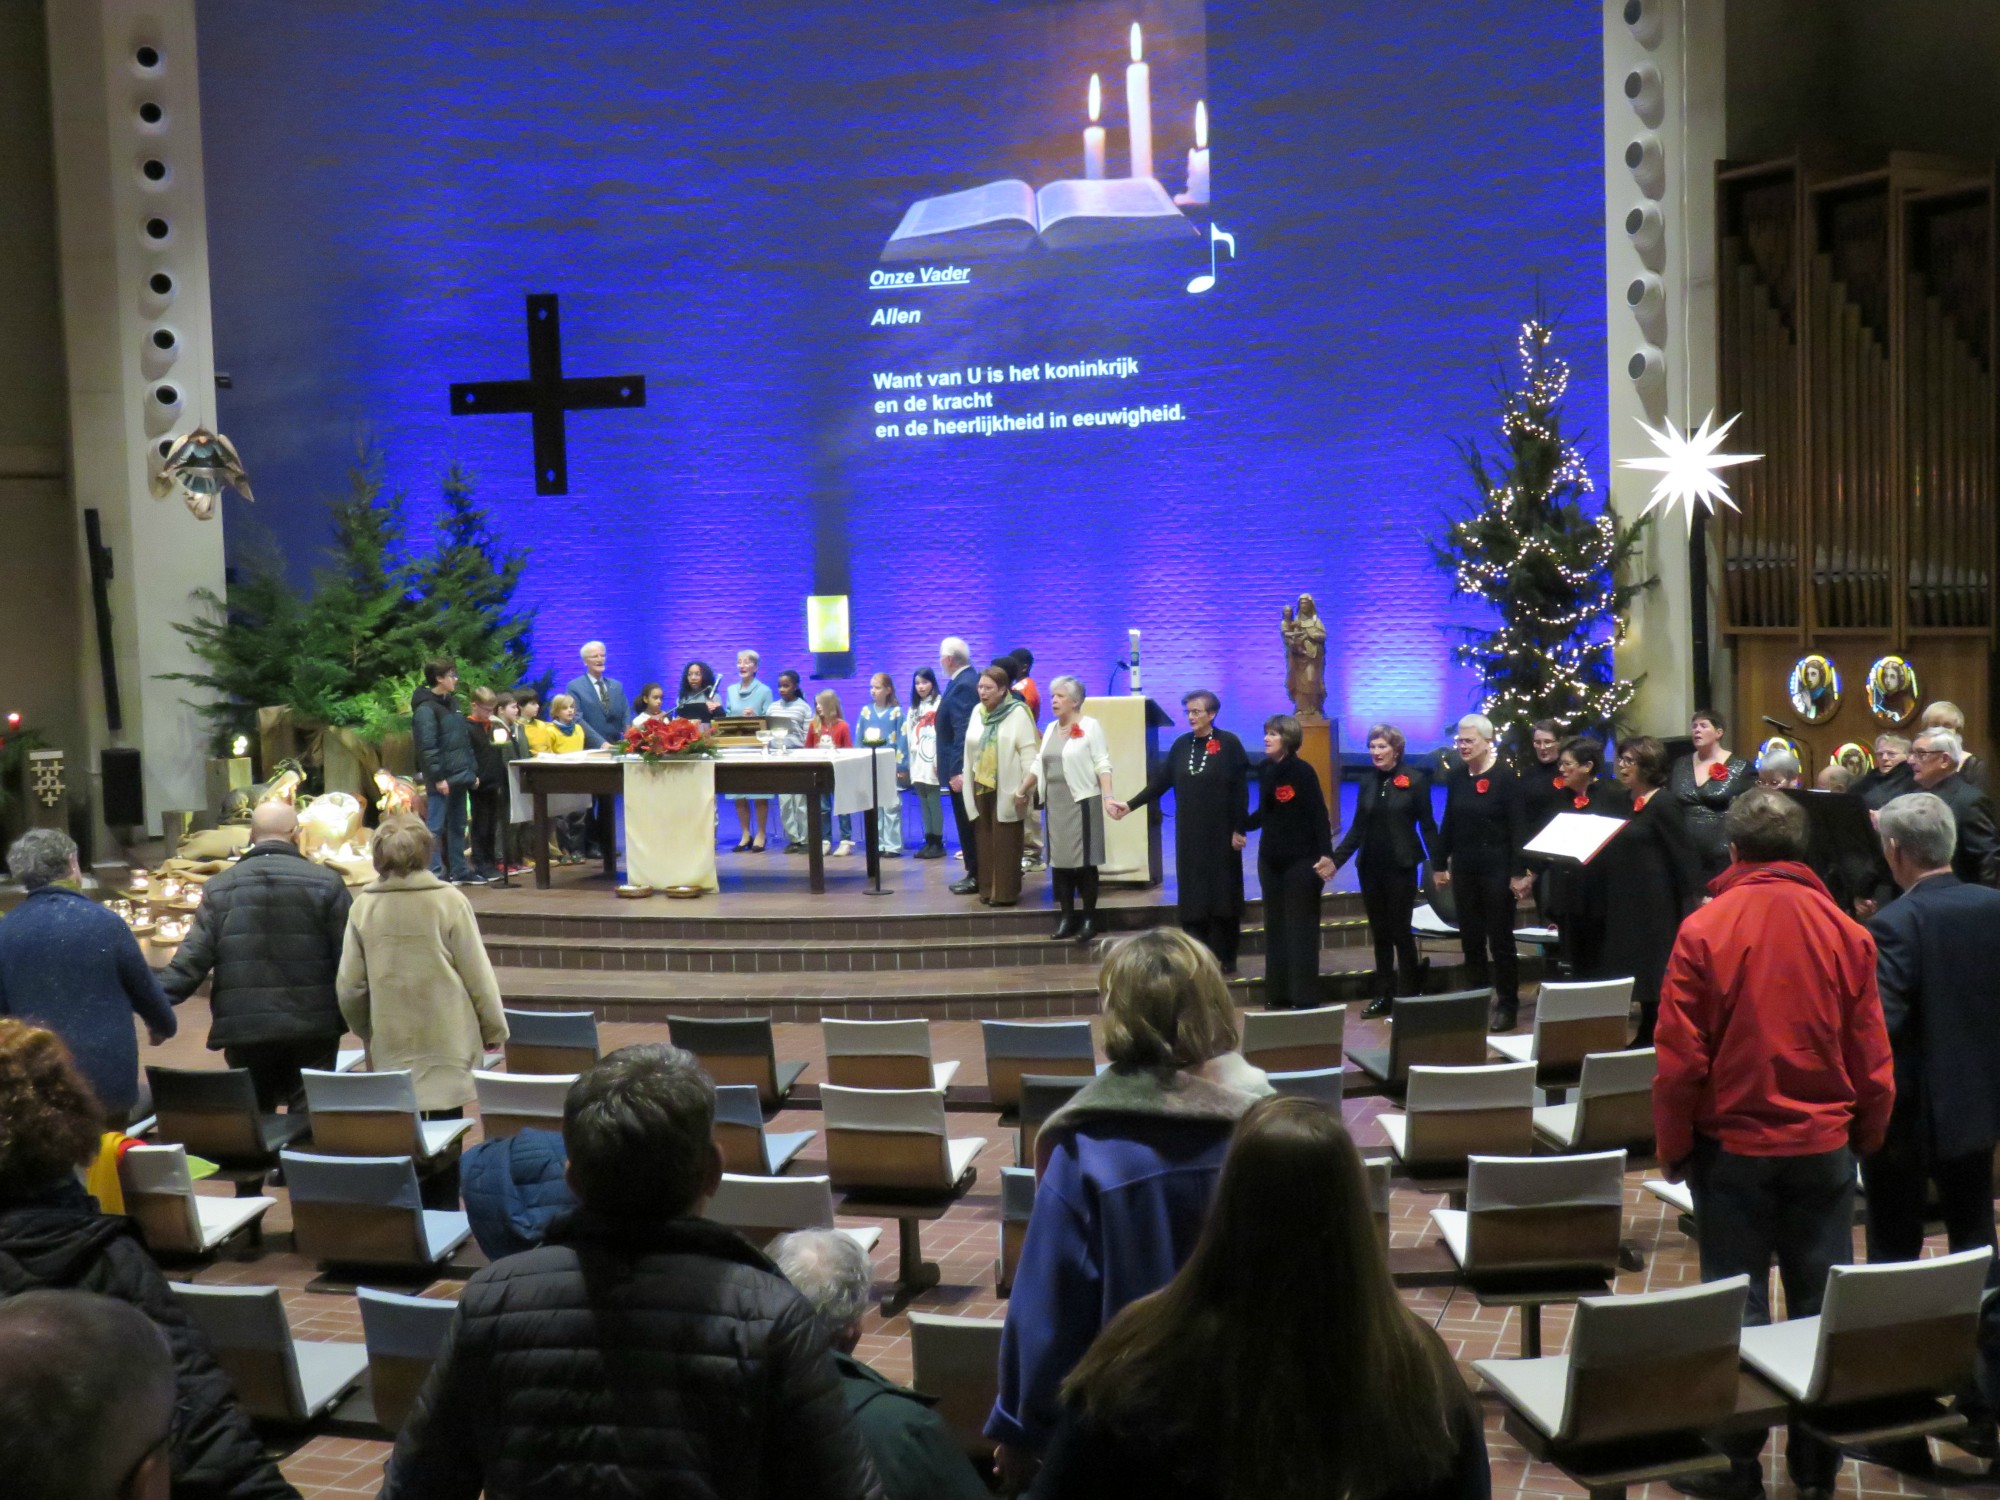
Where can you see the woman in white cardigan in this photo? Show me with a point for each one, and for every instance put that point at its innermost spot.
(1074, 769)
(1000, 774)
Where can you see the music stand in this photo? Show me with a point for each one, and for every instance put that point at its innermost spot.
(1842, 847)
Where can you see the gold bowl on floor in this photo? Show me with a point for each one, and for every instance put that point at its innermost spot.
(634, 892)
(684, 892)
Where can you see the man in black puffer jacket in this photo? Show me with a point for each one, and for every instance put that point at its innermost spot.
(640, 1350)
(446, 766)
(270, 930)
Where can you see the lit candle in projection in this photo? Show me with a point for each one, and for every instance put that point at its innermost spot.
(1139, 108)
(1093, 133)
(1197, 178)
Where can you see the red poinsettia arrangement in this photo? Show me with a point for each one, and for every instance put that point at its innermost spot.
(1718, 772)
(1403, 782)
(1482, 786)
(667, 739)
(1286, 793)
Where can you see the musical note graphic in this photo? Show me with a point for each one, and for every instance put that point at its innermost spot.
(1202, 283)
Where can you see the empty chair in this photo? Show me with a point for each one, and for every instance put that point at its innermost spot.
(173, 1218)
(889, 1148)
(1295, 1041)
(1017, 1206)
(1041, 1096)
(403, 1337)
(213, 1112)
(375, 1114)
(1571, 1021)
(512, 1102)
(1452, 1113)
(278, 1378)
(1045, 1048)
(956, 1362)
(1323, 1085)
(746, 1146)
(1903, 1331)
(762, 1208)
(1613, 1106)
(550, 1041)
(737, 1050)
(1536, 1230)
(882, 1055)
(1640, 1371)
(367, 1211)
(1438, 1031)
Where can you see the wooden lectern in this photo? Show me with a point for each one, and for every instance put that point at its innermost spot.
(1132, 730)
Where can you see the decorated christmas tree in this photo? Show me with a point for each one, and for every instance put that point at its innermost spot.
(1553, 562)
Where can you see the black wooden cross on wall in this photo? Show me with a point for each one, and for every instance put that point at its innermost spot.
(546, 395)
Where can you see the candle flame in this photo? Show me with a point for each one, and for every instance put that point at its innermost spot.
(1138, 50)
(1096, 98)
(1201, 124)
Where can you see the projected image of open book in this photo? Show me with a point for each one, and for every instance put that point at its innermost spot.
(1007, 217)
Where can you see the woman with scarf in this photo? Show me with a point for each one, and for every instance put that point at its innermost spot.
(1000, 746)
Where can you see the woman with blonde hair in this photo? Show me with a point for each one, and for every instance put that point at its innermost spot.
(1126, 1172)
(415, 983)
(1074, 769)
(1280, 1364)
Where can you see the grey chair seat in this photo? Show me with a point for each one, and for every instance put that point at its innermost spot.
(327, 1371)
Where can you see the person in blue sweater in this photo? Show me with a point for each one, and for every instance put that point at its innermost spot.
(72, 966)
(1126, 1171)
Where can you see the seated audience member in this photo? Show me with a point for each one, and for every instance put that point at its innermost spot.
(1280, 1362)
(72, 965)
(641, 1348)
(86, 1399)
(1127, 1170)
(914, 1452)
(514, 1188)
(53, 1238)
(267, 935)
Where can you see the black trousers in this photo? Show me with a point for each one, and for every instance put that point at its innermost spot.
(963, 815)
(1486, 931)
(274, 1067)
(1291, 933)
(1798, 1210)
(1222, 936)
(1389, 895)
(1895, 1178)
(488, 808)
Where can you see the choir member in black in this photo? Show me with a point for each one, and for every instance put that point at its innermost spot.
(1652, 878)
(1543, 795)
(1478, 859)
(1891, 776)
(1576, 892)
(1294, 863)
(1209, 774)
(1704, 784)
(1395, 832)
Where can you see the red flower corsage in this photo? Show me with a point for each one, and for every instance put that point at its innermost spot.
(1285, 793)
(1076, 731)
(1718, 772)
(1580, 801)
(1482, 786)
(1213, 747)
(1401, 781)
(1557, 783)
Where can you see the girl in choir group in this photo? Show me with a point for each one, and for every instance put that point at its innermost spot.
(881, 724)
(697, 698)
(920, 760)
(747, 697)
(829, 729)
(1652, 878)
(1576, 892)
(791, 706)
(1074, 773)
(651, 704)
(1478, 858)
(563, 733)
(1294, 863)
(1394, 832)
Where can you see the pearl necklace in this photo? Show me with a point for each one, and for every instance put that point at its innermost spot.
(1199, 747)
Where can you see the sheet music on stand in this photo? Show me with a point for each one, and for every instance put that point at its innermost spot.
(1574, 836)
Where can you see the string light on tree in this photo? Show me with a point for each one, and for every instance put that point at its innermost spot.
(1550, 562)
(1689, 466)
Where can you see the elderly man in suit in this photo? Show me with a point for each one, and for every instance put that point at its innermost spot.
(1934, 767)
(1936, 952)
(601, 705)
(958, 702)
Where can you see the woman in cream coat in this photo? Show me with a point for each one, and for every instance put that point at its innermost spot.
(1000, 751)
(415, 984)
(1074, 769)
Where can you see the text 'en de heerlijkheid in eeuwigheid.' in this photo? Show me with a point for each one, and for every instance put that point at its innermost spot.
(967, 401)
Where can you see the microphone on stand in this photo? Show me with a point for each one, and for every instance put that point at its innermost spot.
(1779, 724)
(1112, 681)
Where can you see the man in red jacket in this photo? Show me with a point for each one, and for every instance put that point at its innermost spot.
(1774, 1071)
